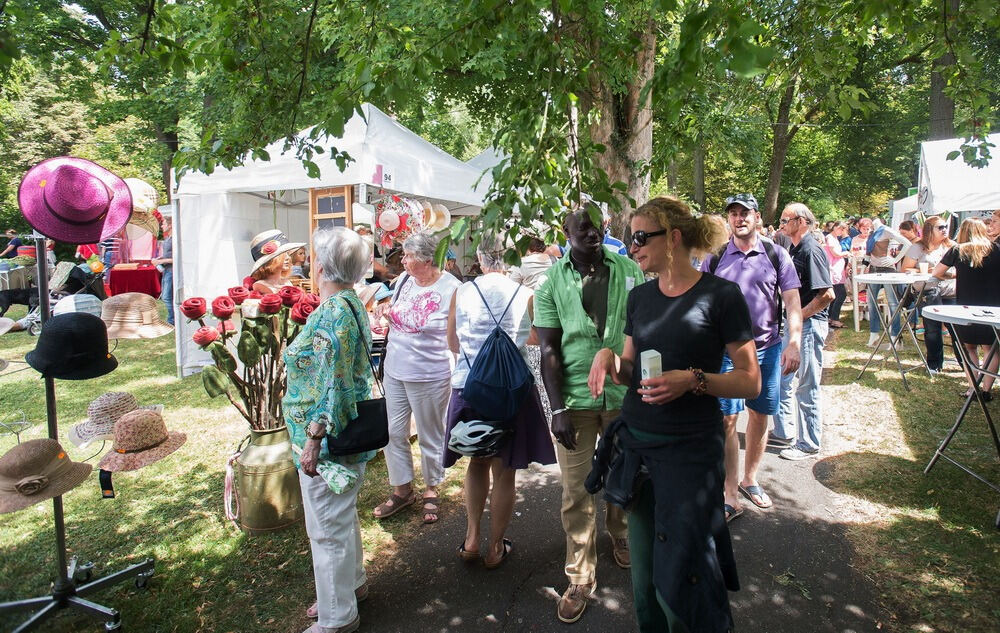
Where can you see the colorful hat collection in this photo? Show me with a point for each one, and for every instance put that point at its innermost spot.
(79, 202)
(397, 217)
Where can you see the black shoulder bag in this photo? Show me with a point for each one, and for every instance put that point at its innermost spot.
(370, 430)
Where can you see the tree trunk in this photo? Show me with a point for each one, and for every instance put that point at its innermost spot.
(783, 133)
(942, 108)
(672, 175)
(624, 125)
(170, 140)
(698, 176)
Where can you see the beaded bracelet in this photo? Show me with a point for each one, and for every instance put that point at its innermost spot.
(702, 387)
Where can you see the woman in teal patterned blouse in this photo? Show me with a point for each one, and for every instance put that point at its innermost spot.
(328, 373)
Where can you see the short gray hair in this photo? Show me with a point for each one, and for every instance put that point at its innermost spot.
(801, 211)
(423, 245)
(343, 255)
(490, 252)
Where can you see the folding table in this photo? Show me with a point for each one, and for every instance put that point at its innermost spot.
(891, 280)
(953, 316)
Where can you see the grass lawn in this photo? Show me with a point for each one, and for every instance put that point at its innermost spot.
(209, 575)
(926, 541)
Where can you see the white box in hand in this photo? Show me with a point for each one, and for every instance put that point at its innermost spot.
(650, 363)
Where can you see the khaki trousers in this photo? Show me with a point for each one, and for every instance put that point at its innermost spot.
(579, 508)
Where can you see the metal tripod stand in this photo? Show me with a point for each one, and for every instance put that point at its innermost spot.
(73, 582)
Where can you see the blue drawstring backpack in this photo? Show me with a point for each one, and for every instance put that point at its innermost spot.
(874, 238)
(499, 380)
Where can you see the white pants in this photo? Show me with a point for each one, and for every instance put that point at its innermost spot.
(428, 402)
(335, 537)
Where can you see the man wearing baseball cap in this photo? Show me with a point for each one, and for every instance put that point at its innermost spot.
(767, 277)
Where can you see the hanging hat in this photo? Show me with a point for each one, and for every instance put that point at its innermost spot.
(87, 303)
(442, 217)
(267, 245)
(5, 325)
(102, 414)
(141, 438)
(35, 471)
(74, 200)
(72, 346)
(133, 315)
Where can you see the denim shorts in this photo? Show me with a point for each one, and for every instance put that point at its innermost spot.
(766, 402)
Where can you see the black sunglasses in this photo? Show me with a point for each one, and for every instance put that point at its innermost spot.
(639, 238)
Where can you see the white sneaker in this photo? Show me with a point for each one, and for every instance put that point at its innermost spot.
(873, 338)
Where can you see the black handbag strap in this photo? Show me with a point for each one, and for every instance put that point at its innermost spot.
(368, 351)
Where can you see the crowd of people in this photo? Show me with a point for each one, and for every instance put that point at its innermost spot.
(644, 354)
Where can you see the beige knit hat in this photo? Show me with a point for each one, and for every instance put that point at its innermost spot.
(102, 414)
(35, 471)
(133, 315)
(141, 438)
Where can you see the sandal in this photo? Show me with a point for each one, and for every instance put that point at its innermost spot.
(431, 509)
(394, 505)
(466, 555)
(508, 547)
(732, 513)
(756, 495)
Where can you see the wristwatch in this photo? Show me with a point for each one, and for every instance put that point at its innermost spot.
(314, 436)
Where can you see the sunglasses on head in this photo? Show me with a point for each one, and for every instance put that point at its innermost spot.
(639, 238)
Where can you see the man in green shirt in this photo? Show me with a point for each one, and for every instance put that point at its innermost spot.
(579, 310)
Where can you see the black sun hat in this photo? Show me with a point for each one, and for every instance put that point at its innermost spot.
(72, 346)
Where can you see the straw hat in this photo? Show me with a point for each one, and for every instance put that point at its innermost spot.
(78, 303)
(141, 438)
(102, 414)
(133, 315)
(35, 471)
(442, 217)
(267, 245)
(72, 346)
(74, 200)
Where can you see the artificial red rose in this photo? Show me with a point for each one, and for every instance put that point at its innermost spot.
(223, 308)
(239, 294)
(301, 311)
(248, 282)
(269, 247)
(255, 294)
(290, 295)
(311, 299)
(194, 308)
(270, 304)
(226, 326)
(205, 336)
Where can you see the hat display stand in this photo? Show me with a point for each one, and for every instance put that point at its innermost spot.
(73, 580)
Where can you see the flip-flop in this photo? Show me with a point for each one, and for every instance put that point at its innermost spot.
(732, 513)
(436, 503)
(466, 555)
(756, 495)
(508, 547)
(384, 511)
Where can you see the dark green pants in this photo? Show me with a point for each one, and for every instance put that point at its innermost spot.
(651, 611)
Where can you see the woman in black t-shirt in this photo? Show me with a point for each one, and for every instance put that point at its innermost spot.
(977, 283)
(682, 560)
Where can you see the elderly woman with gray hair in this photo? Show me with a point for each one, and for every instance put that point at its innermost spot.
(418, 369)
(477, 308)
(328, 373)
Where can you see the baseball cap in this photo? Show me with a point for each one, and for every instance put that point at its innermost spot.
(745, 200)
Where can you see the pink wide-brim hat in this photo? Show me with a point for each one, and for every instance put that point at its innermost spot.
(74, 200)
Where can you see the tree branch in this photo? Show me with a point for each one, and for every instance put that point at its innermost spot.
(305, 66)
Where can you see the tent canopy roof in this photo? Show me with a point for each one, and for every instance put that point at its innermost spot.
(386, 155)
(952, 185)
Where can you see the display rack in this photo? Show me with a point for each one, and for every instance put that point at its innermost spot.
(73, 581)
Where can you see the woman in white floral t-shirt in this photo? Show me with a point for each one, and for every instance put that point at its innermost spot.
(418, 368)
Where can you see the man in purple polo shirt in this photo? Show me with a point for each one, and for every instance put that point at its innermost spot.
(767, 276)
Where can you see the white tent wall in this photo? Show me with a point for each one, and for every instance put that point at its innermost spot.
(902, 209)
(954, 186)
(214, 251)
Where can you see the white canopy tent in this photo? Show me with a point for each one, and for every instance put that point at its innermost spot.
(902, 209)
(954, 186)
(216, 215)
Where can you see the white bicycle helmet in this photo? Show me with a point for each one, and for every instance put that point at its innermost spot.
(476, 438)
